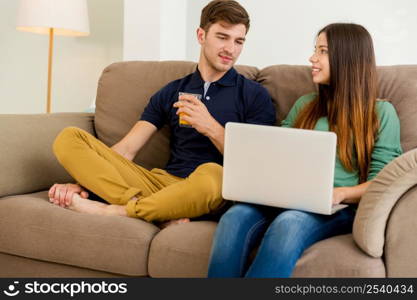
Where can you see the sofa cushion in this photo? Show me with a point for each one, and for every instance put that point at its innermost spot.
(285, 84)
(182, 250)
(43, 231)
(124, 90)
(338, 257)
(27, 162)
(18, 266)
(399, 85)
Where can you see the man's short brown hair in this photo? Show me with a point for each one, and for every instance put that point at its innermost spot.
(228, 11)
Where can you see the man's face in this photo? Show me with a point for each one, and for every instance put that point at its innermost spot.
(221, 45)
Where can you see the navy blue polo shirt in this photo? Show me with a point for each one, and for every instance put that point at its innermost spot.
(233, 98)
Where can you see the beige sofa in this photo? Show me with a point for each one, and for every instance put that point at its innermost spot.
(42, 240)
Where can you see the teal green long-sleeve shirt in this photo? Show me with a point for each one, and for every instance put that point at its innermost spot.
(387, 144)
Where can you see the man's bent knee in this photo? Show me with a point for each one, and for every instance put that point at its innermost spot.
(64, 141)
(210, 182)
(212, 169)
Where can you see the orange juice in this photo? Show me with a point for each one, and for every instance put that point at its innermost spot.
(184, 123)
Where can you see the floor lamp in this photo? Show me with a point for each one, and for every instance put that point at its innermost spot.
(53, 17)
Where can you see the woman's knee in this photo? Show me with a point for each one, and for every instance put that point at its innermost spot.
(240, 213)
(291, 220)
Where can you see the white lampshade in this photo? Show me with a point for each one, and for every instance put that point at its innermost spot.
(66, 17)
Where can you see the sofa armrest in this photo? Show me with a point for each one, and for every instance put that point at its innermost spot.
(400, 250)
(377, 204)
(26, 158)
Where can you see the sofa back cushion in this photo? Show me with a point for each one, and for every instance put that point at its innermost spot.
(285, 84)
(398, 84)
(125, 88)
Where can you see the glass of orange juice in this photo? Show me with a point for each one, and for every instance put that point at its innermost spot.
(184, 123)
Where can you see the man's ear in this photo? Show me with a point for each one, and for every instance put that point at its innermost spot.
(201, 35)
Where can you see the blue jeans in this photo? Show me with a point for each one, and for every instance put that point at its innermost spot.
(283, 236)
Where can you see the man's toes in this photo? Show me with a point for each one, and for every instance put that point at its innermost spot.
(173, 222)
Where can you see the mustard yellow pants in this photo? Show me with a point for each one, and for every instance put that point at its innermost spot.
(160, 195)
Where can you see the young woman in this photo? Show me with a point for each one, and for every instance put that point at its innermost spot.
(368, 131)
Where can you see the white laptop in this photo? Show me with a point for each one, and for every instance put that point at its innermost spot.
(281, 167)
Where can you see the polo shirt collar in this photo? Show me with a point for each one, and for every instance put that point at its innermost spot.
(228, 79)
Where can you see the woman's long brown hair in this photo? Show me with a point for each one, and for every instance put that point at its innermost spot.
(348, 101)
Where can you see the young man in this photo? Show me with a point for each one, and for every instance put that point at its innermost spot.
(190, 185)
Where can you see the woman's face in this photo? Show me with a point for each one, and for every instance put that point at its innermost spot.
(320, 61)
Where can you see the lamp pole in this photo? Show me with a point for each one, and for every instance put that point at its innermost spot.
(51, 48)
(63, 17)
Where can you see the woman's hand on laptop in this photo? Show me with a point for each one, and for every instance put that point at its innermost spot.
(349, 194)
(339, 195)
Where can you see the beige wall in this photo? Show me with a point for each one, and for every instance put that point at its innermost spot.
(155, 30)
(78, 62)
(282, 32)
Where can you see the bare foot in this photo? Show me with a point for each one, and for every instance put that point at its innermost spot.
(88, 206)
(173, 222)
